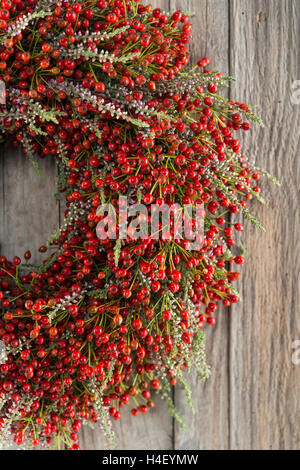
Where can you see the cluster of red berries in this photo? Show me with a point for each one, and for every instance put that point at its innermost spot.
(105, 87)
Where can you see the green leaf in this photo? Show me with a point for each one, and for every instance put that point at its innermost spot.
(117, 251)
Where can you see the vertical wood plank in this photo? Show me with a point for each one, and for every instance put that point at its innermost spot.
(265, 385)
(29, 213)
(153, 431)
(208, 428)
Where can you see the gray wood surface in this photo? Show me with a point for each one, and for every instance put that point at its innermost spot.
(252, 400)
(264, 383)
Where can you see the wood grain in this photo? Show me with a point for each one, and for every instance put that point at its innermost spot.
(29, 213)
(152, 431)
(264, 384)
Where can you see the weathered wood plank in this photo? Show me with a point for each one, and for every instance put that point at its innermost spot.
(265, 385)
(208, 428)
(29, 213)
(153, 431)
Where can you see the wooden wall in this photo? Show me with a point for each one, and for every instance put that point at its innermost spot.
(252, 400)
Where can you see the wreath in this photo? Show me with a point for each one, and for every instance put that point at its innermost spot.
(106, 88)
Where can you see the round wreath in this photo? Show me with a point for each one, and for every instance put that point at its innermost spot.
(105, 88)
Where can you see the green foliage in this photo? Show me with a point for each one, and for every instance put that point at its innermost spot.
(198, 349)
(98, 293)
(117, 251)
(102, 196)
(187, 389)
(31, 156)
(234, 199)
(103, 36)
(270, 177)
(164, 392)
(45, 266)
(22, 23)
(139, 196)
(62, 176)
